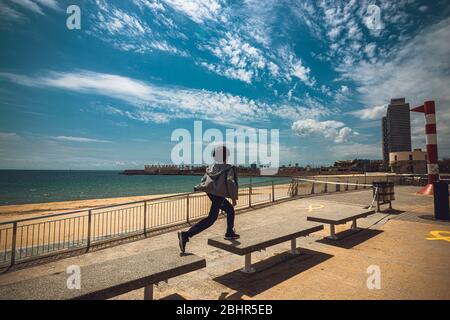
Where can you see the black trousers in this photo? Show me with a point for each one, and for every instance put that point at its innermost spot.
(217, 204)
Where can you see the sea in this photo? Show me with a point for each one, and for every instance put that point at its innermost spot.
(39, 186)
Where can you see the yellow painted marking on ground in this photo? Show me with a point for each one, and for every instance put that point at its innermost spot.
(313, 207)
(440, 235)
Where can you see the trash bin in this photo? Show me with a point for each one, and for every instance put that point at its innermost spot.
(383, 193)
(441, 200)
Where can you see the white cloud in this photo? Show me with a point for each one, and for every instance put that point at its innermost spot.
(419, 70)
(238, 36)
(176, 102)
(154, 5)
(29, 5)
(141, 115)
(52, 4)
(370, 49)
(329, 129)
(294, 67)
(344, 90)
(238, 59)
(8, 13)
(159, 104)
(355, 150)
(291, 112)
(274, 69)
(342, 26)
(128, 31)
(119, 22)
(300, 71)
(373, 113)
(334, 32)
(230, 72)
(197, 10)
(78, 139)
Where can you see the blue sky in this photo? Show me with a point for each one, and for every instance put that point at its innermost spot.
(108, 96)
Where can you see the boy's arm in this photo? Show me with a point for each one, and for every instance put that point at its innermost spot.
(235, 178)
(233, 201)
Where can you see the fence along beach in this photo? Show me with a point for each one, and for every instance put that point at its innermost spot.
(46, 234)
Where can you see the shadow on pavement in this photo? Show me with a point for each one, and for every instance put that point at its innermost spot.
(270, 272)
(174, 296)
(431, 218)
(392, 211)
(351, 238)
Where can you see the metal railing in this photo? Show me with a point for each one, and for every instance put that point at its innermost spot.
(38, 237)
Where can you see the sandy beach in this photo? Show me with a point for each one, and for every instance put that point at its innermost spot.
(23, 211)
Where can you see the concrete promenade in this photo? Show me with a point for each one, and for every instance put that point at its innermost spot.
(411, 266)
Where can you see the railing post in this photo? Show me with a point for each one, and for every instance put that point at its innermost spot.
(273, 192)
(250, 193)
(187, 208)
(145, 218)
(89, 230)
(14, 244)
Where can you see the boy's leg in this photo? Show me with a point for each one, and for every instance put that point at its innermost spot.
(229, 209)
(216, 203)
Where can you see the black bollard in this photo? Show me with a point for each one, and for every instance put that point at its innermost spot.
(441, 200)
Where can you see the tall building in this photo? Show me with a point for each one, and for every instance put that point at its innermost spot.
(396, 129)
(385, 144)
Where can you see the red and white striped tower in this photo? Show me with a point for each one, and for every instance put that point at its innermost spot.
(429, 110)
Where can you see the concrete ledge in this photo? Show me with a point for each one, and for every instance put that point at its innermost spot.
(343, 214)
(107, 279)
(260, 238)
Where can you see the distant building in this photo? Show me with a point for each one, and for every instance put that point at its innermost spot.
(357, 165)
(163, 169)
(408, 162)
(396, 128)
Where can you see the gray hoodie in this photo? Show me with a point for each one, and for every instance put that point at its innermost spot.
(220, 180)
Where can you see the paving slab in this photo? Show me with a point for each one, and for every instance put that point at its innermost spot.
(339, 213)
(412, 267)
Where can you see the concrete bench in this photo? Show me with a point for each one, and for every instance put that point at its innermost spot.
(258, 239)
(342, 215)
(108, 279)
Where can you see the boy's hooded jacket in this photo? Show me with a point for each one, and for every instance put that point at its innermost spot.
(220, 180)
